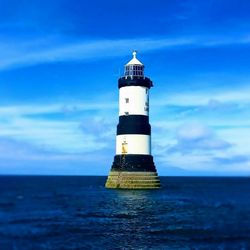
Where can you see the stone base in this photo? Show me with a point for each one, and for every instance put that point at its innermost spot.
(133, 180)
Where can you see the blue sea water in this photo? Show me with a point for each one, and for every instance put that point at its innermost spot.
(55, 212)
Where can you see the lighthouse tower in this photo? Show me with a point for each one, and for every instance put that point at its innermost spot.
(133, 166)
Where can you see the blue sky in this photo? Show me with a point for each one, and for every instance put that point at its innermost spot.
(59, 65)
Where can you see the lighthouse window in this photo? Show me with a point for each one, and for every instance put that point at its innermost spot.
(127, 100)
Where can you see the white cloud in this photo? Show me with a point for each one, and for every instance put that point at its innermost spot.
(20, 157)
(13, 149)
(42, 109)
(193, 132)
(205, 98)
(197, 137)
(197, 147)
(34, 125)
(27, 53)
(211, 130)
(194, 146)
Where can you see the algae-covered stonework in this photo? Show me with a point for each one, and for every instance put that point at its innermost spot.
(133, 180)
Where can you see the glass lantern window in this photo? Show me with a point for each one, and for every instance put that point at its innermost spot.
(134, 70)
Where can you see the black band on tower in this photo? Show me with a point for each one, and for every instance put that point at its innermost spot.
(133, 163)
(133, 124)
(135, 81)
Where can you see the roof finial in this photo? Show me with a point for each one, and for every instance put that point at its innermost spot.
(134, 60)
(134, 53)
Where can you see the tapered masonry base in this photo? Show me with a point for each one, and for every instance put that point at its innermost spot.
(133, 180)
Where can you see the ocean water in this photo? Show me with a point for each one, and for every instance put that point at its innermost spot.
(79, 213)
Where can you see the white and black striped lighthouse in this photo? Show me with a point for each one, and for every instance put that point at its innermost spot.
(133, 166)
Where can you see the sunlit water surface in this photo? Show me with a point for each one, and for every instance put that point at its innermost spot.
(79, 213)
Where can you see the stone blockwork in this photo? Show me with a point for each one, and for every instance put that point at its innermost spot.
(133, 180)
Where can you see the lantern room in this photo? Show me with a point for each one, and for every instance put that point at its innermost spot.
(134, 68)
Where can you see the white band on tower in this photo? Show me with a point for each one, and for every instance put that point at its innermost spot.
(133, 100)
(133, 144)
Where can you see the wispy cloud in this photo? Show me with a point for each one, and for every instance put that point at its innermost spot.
(61, 133)
(56, 138)
(43, 109)
(21, 157)
(25, 53)
(71, 131)
(197, 137)
(211, 98)
(28, 54)
(197, 147)
(16, 150)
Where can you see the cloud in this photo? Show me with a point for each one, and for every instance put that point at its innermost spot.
(69, 130)
(197, 137)
(28, 53)
(43, 109)
(209, 98)
(67, 133)
(221, 110)
(10, 149)
(35, 140)
(243, 160)
(192, 147)
(210, 131)
(13, 149)
(197, 147)
(21, 157)
(100, 126)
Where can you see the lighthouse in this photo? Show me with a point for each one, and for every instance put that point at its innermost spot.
(133, 166)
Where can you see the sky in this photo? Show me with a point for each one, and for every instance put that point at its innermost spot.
(60, 62)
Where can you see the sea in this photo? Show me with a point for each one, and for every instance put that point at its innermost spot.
(77, 212)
